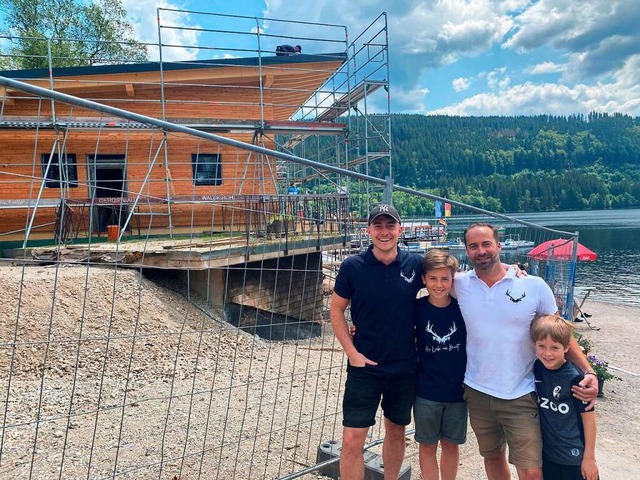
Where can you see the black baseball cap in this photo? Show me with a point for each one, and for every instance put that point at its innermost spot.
(383, 209)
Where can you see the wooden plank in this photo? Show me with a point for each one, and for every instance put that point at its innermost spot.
(131, 92)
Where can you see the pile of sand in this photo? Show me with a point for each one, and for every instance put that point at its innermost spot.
(113, 373)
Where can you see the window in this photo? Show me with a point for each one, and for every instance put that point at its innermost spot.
(68, 170)
(207, 169)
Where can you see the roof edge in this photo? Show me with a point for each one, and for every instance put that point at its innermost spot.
(171, 66)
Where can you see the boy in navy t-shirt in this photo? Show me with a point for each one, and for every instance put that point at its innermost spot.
(440, 412)
(568, 431)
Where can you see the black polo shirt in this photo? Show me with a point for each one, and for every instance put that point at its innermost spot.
(382, 301)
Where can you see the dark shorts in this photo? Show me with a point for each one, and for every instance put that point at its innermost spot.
(362, 394)
(515, 422)
(440, 421)
(556, 471)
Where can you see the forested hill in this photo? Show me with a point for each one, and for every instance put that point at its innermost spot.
(520, 163)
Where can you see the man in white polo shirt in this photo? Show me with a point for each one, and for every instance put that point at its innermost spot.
(498, 308)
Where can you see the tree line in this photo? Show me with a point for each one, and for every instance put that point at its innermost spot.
(517, 164)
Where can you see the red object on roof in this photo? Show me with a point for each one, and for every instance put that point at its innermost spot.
(561, 249)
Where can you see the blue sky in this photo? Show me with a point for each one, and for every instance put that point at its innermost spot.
(458, 57)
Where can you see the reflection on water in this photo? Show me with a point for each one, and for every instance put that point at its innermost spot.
(615, 236)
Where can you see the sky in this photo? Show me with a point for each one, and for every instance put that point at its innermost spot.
(453, 57)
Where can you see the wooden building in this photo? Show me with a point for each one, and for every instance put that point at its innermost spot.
(68, 171)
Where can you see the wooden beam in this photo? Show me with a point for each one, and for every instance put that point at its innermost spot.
(130, 90)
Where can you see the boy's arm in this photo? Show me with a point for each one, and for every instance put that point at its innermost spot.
(589, 467)
(341, 331)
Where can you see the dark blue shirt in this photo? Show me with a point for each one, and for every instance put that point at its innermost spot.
(560, 413)
(442, 357)
(382, 300)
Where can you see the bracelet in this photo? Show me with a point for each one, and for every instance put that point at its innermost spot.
(591, 373)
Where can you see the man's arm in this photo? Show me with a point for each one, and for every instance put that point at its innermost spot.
(587, 389)
(341, 331)
(589, 468)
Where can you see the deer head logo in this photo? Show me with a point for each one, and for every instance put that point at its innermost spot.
(515, 300)
(408, 279)
(444, 339)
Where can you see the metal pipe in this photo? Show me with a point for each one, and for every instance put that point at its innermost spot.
(136, 117)
(317, 466)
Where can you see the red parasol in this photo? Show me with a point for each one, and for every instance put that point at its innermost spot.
(561, 249)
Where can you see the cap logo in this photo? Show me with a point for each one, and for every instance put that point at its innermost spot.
(383, 208)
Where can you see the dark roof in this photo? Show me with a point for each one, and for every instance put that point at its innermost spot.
(167, 66)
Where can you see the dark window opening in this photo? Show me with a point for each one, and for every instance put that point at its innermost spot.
(207, 169)
(65, 172)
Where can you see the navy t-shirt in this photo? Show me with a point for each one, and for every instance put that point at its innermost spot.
(442, 357)
(560, 413)
(382, 301)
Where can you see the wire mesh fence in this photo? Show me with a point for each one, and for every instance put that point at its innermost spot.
(206, 356)
(164, 311)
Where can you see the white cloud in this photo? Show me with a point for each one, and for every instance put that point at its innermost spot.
(145, 26)
(460, 84)
(496, 78)
(598, 35)
(534, 99)
(422, 34)
(545, 68)
(593, 44)
(413, 99)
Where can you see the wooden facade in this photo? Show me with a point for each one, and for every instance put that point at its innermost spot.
(111, 167)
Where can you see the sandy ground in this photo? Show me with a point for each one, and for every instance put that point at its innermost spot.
(126, 375)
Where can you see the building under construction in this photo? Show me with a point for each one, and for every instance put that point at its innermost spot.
(70, 171)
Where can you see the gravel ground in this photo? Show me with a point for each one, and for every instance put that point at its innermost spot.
(119, 374)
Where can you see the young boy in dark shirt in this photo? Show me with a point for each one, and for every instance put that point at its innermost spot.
(440, 412)
(568, 431)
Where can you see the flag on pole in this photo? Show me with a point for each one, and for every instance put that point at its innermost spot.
(438, 209)
(447, 210)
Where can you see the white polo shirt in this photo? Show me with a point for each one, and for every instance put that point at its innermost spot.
(500, 352)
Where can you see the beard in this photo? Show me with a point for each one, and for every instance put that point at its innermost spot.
(485, 263)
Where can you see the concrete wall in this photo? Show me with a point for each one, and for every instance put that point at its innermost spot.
(289, 286)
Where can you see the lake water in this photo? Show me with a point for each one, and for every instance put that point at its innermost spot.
(615, 236)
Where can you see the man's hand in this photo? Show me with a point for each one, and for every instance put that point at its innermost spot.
(359, 360)
(587, 390)
(516, 268)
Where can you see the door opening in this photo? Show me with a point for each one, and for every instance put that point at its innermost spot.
(108, 191)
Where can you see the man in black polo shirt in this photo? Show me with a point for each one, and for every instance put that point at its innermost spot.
(381, 285)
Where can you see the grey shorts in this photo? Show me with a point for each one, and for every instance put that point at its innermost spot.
(440, 421)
